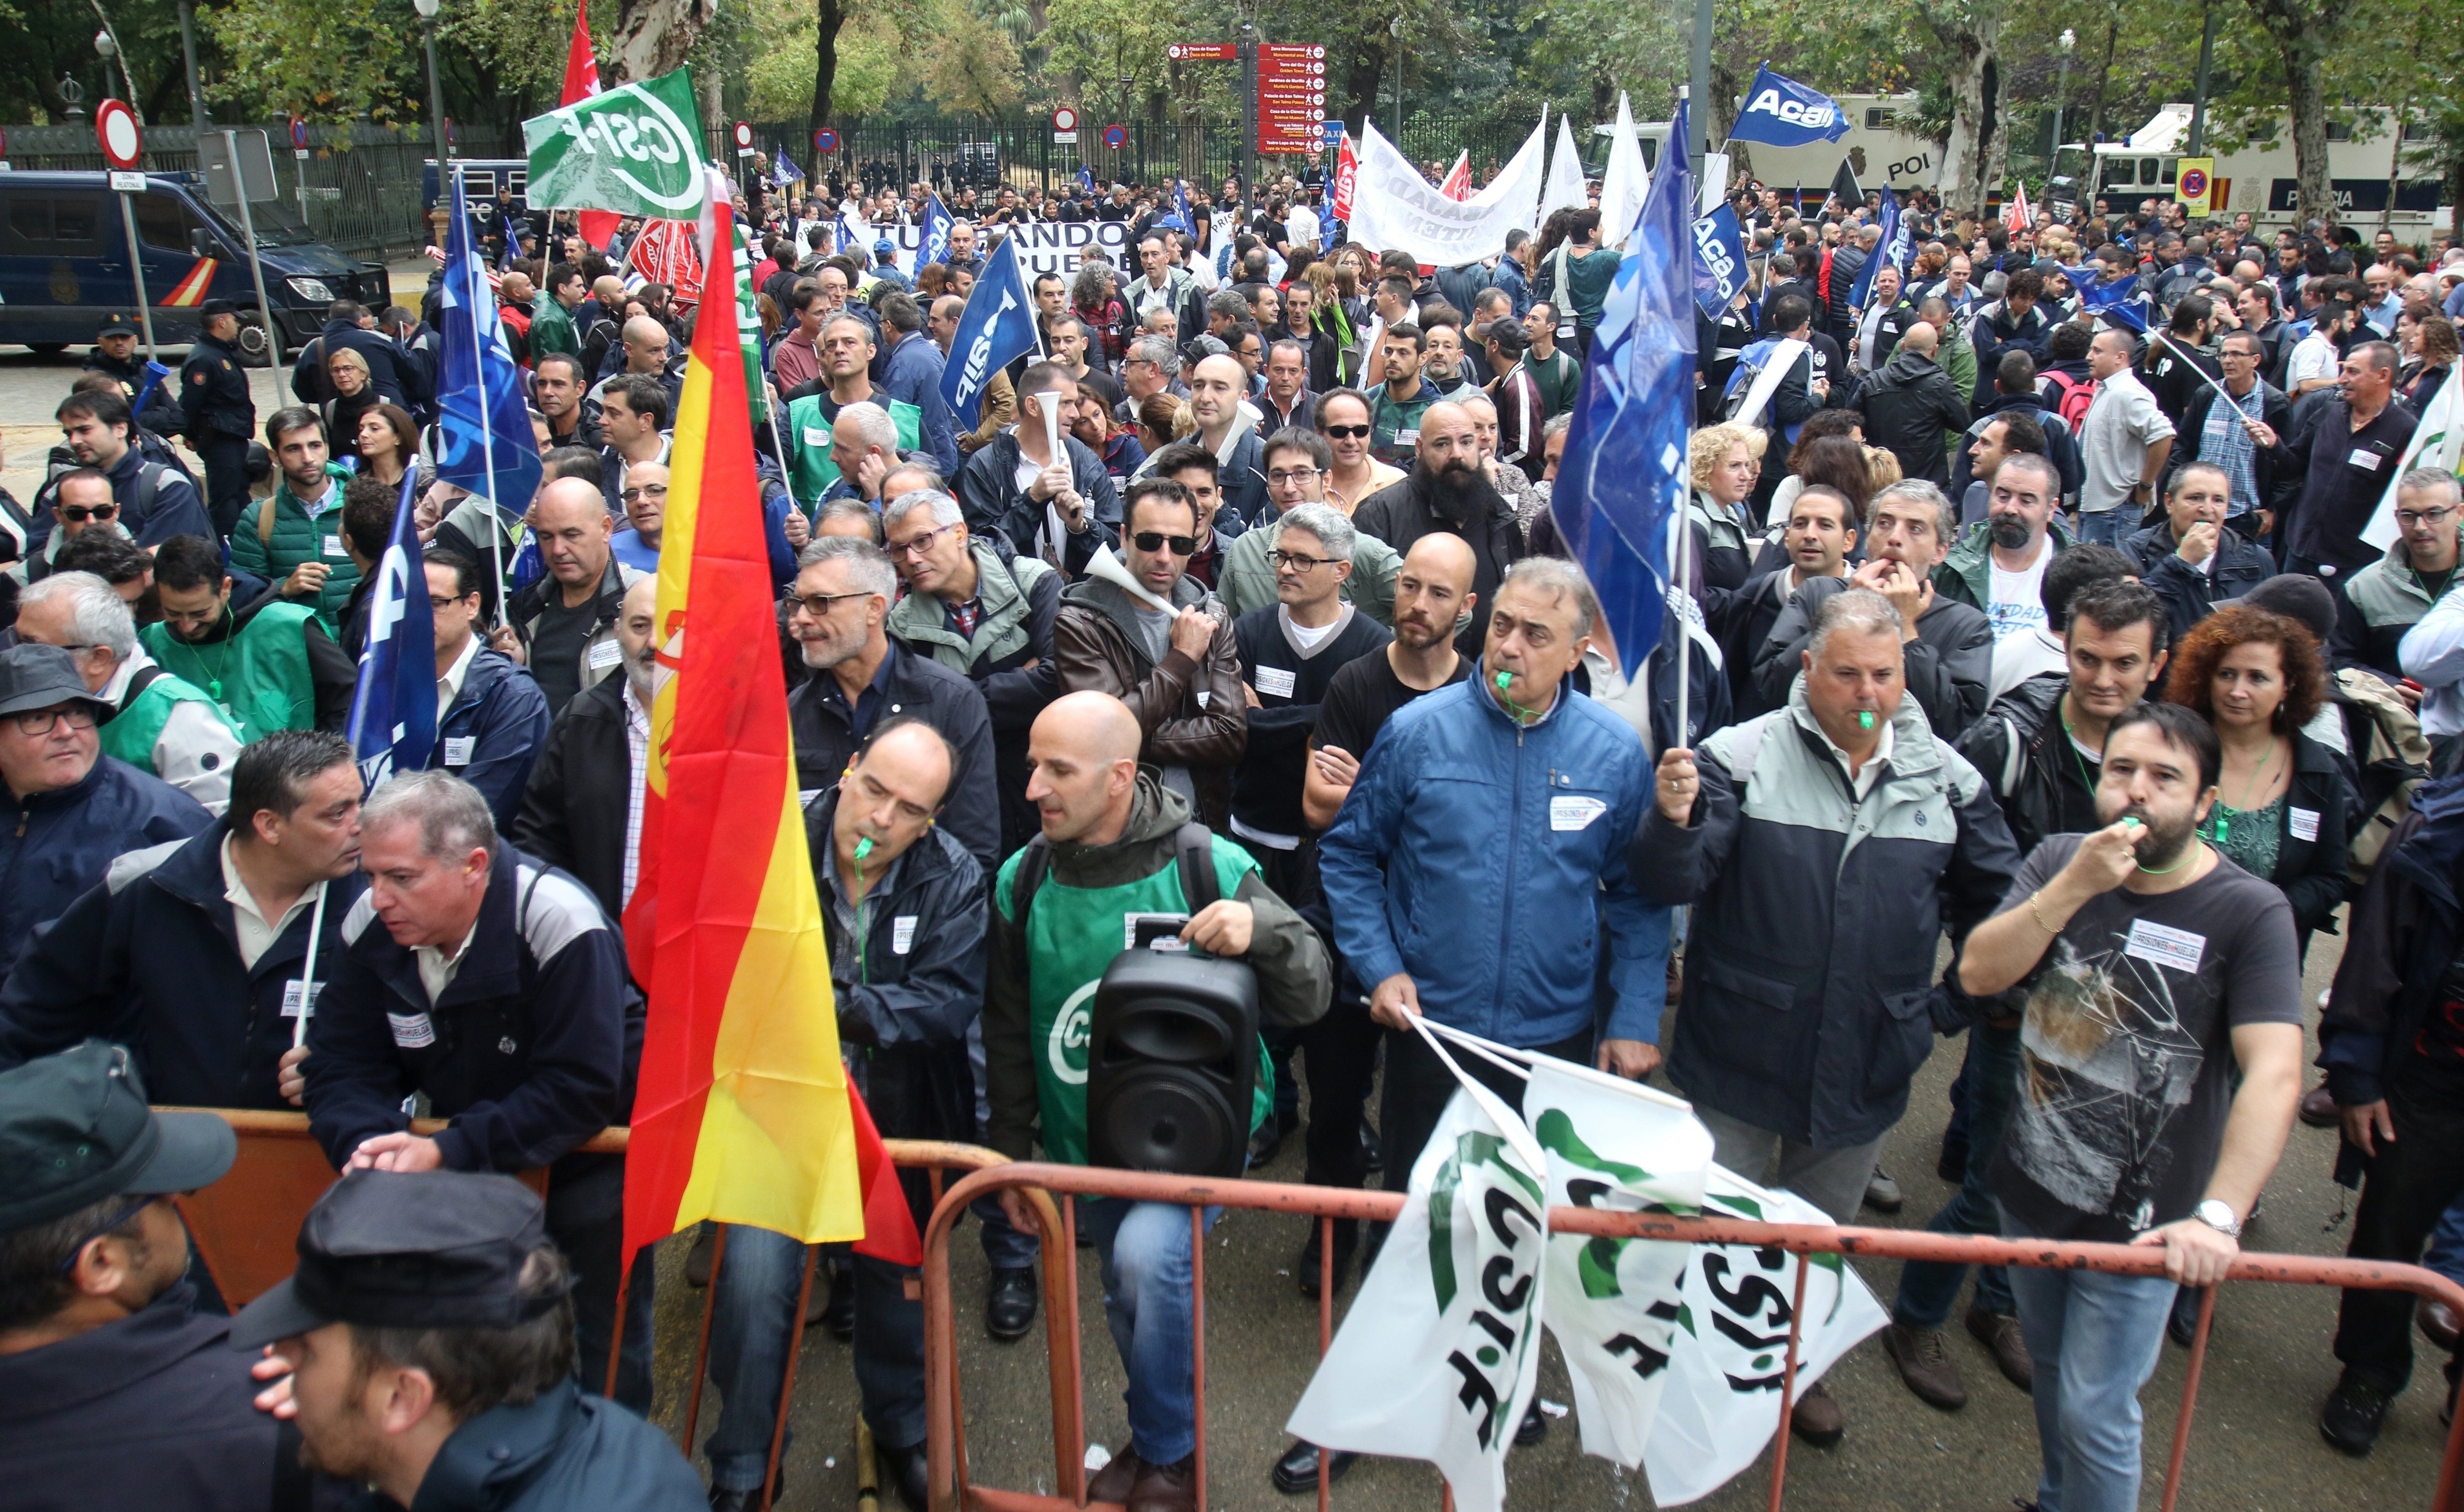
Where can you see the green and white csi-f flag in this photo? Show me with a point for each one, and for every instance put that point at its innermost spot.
(634, 149)
(1439, 1356)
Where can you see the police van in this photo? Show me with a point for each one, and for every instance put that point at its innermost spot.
(1877, 148)
(64, 263)
(2259, 176)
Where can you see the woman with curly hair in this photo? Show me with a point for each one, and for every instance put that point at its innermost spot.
(1095, 298)
(1726, 460)
(2282, 811)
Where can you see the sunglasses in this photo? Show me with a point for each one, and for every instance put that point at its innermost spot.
(80, 513)
(1345, 432)
(1155, 540)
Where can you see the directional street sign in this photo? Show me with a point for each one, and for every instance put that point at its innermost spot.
(1203, 52)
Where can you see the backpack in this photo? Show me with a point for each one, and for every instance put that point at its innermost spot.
(2071, 398)
(2392, 760)
(1193, 847)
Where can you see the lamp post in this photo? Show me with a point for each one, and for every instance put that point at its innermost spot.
(1396, 31)
(427, 10)
(2062, 92)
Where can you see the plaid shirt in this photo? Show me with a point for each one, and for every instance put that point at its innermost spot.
(2225, 441)
(637, 743)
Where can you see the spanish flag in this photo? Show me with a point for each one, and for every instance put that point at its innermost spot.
(745, 1113)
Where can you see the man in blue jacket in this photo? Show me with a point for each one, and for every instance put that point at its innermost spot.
(491, 716)
(910, 372)
(495, 987)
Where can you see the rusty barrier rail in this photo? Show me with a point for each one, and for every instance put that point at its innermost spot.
(952, 1490)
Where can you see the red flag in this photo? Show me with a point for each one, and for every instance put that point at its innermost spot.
(1347, 172)
(2017, 216)
(889, 1222)
(1457, 185)
(580, 82)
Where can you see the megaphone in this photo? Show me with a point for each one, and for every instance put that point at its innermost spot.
(1109, 567)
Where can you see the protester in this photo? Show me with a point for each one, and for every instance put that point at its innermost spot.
(1058, 506)
(491, 716)
(2340, 492)
(1723, 461)
(565, 617)
(2379, 604)
(581, 808)
(1297, 465)
(1912, 408)
(1819, 533)
(1446, 493)
(2195, 560)
(2215, 429)
(2123, 444)
(160, 724)
(274, 667)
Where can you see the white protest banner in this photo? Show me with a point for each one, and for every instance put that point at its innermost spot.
(1625, 181)
(1612, 1302)
(2437, 442)
(1438, 1358)
(1568, 189)
(1730, 1347)
(1393, 206)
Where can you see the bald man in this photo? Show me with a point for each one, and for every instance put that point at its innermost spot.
(1227, 428)
(1913, 408)
(1448, 494)
(565, 621)
(1119, 846)
(603, 324)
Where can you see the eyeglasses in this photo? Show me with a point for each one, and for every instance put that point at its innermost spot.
(818, 605)
(656, 490)
(80, 513)
(1155, 540)
(2408, 518)
(1287, 477)
(36, 722)
(1279, 559)
(921, 544)
(1347, 432)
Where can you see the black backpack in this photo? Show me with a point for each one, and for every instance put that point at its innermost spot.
(1192, 846)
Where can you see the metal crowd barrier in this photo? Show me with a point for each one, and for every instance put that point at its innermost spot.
(952, 1491)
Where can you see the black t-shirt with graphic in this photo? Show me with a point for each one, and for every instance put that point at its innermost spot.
(2126, 1051)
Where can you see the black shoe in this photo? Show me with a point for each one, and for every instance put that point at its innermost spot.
(697, 1258)
(838, 1315)
(1009, 1302)
(1307, 1268)
(2351, 1420)
(747, 1500)
(1952, 1165)
(1295, 1473)
(1534, 1428)
(1265, 1143)
(2182, 1324)
(1374, 1153)
(903, 1468)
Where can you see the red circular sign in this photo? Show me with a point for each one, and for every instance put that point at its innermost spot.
(298, 132)
(2195, 183)
(1064, 118)
(825, 140)
(115, 126)
(744, 135)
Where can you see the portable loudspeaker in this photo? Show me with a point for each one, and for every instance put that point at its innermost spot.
(1172, 1063)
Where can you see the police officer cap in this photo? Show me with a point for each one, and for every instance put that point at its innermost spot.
(214, 307)
(115, 325)
(391, 1249)
(74, 1129)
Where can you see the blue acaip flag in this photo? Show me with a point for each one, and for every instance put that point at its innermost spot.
(1624, 480)
(484, 442)
(1786, 114)
(393, 708)
(937, 222)
(1892, 249)
(995, 329)
(1085, 178)
(2123, 301)
(1719, 260)
(784, 169)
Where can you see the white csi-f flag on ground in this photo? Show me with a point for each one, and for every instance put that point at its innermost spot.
(1439, 1356)
(1392, 205)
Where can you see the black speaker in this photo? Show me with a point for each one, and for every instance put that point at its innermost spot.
(1171, 1063)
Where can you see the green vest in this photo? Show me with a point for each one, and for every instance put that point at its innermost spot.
(1072, 934)
(259, 676)
(130, 735)
(810, 472)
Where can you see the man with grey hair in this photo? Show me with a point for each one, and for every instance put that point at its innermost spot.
(1800, 1037)
(864, 447)
(1298, 461)
(160, 724)
(857, 677)
(983, 611)
(1150, 367)
(492, 986)
(2430, 639)
(1949, 665)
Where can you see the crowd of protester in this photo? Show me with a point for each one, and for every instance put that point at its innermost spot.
(2020, 622)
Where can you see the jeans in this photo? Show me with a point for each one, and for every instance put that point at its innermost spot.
(1832, 1180)
(2446, 1254)
(751, 1324)
(2411, 1186)
(1928, 1288)
(1007, 1246)
(2108, 527)
(2095, 1339)
(585, 1217)
(1148, 1277)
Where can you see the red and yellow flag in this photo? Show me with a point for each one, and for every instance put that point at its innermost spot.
(744, 1114)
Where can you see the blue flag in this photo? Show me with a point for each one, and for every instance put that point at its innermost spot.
(1719, 260)
(483, 428)
(1622, 484)
(995, 329)
(784, 169)
(1892, 249)
(1180, 206)
(2123, 301)
(1786, 114)
(937, 221)
(1085, 178)
(393, 708)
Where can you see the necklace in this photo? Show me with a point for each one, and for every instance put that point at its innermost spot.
(2223, 826)
(2167, 871)
(214, 677)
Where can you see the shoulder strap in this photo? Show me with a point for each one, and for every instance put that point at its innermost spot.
(1743, 748)
(2009, 782)
(1195, 845)
(1033, 861)
(265, 520)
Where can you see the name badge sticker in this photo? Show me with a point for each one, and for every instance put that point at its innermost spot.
(2365, 458)
(458, 748)
(604, 655)
(1408, 438)
(411, 1031)
(2162, 945)
(297, 1004)
(1275, 682)
(2303, 822)
(334, 546)
(902, 933)
(1569, 812)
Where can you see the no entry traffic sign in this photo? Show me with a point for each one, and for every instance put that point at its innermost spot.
(115, 127)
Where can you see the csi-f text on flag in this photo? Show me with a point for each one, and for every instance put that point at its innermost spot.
(634, 149)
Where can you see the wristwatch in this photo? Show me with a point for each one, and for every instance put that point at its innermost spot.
(2219, 1216)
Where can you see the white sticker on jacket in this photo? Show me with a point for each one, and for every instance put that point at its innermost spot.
(2162, 945)
(297, 1004)
(2365, 458)
(1275, 682)
(2303, 822)
(411, 1031)
(604, 655)
(458, 748)
(902, 933)
(1570, 812)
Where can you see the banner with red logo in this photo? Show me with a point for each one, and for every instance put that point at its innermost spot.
(668, 252)
(1347, 169)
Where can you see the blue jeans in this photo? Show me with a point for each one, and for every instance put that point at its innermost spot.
(2446, 1254)
(1928, 1288)
(1146, 1300)
(2095, 1339)
(2108, 527)
(754, 1318)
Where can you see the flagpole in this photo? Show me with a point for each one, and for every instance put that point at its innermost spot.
(1680, 546)
(308, 967)
(486, 426)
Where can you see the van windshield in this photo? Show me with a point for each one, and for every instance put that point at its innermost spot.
(277, 223)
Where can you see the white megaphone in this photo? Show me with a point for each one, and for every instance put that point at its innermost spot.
(1109, 567)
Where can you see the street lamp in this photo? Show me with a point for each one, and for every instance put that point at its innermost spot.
(427, 10)
(1396, 31)
(2062, 91)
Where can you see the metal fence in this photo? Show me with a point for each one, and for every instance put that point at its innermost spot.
(356, 186)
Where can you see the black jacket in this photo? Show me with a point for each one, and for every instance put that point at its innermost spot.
(150, 958)
(2189, 594)
(988, 491)
(577, 807)
(150, 1412)
(1995, 331)
(2401, 937)
(560, 1451)
(2277, 485)
(2312, 873)
(2062, 446)
(529, 1050)
(2028, 764)
(1950, 664)
(53, 846)
(398, 378)
(1912, 408)
(1401, 513)
(921, 689)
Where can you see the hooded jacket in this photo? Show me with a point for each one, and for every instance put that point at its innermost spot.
(1967, 573)
(1912, 407)
(1018, 597)
(1193, 713)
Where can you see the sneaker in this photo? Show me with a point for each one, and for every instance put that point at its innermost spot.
(1882, 1194)
(1534, 1428)
(1817, 1418)
(2354, 1411)
(1119, 1474)
(2000, 1334)
(1924, 1358)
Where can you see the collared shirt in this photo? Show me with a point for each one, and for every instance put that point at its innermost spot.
(436, 968)
(449, 687)
(332, 496)
(1862, 779)
(256, 935)
(2225, 441)
(2122, 422)
(869, 702)
(637, 745)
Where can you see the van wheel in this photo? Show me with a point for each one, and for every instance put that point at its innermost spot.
(254, 350)
(47, 348)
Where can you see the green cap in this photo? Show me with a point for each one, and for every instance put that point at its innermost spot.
(74, 1129)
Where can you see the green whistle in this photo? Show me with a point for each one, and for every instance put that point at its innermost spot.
(862, 846)
(2131, 821)
(1504, 680)
(1864, 719)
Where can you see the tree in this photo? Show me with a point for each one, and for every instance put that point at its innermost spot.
(1967, 33)
(2304, 31)
(970, 66)
(652, 36)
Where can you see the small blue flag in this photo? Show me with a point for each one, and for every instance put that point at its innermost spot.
(393, 708)
(995, 329)
(484, 442)
(1622, 484)
(1180, 206)
(1085, 178)
(2123, 301)
(784, 169)
(1719, 260)
(1892, 249)
(937, 222)
(1784, 112)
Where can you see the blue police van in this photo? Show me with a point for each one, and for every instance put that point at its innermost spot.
(64, 263)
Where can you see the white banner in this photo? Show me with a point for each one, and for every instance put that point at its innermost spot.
(1721, 1403)
(2437, 442)
(1568, 189)
(1393, 207)
(1626, 180)
(1438, 1358)
(1612, 1302)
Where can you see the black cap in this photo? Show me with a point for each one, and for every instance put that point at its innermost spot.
(214, 307)
(391, 1249)
(74, 1129)
(115, 325)
(2299, 597)
(36, 676)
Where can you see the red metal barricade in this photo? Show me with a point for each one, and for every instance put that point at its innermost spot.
(952, 1490)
